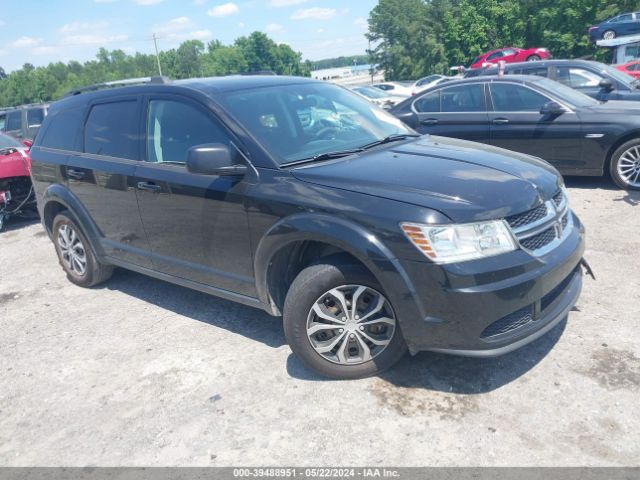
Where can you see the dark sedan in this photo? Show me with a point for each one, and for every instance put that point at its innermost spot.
(600, 81)
(535, 115)
(618, 26)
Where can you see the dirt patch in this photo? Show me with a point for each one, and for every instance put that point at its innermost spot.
(7, 297)
(615, 369)
(410, 401)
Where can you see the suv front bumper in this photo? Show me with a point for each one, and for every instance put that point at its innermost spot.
(492, 306)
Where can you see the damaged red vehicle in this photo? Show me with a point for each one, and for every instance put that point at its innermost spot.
(16, 191)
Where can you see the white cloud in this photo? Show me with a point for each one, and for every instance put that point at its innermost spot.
(104, 1)
(90, 39)
(315, 13)
(174, 25)
(2, 23)
(241, 25)
(24, 42)
(147, 3)
(273, 27)
(44, 50)
(320, 30)
(199, 2)
(285, 3)
(3, 52)
(181, 28)
(360, 22)
(78, 26)
(223, 10)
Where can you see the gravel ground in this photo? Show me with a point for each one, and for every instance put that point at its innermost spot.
(141, 372)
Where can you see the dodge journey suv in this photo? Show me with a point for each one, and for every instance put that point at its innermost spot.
(305, 200)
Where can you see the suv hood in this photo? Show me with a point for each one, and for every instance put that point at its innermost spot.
(464, 180)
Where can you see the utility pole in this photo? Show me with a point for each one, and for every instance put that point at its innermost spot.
(155, 43)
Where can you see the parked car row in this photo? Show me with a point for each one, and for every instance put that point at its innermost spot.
(22, 122)
(538, 116)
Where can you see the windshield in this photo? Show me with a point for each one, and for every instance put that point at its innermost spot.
(370, 92)
(302, 121)
(617, 75)
(8, 142)
(568, 94)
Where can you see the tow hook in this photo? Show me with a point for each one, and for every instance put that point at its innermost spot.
(587, 268)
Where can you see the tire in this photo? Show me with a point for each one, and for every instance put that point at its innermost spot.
(625, 165)
(533, 58)
(74, 250)
(609, 35)
(316, 283)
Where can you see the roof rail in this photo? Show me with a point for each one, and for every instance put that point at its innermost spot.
(119, 83)
(26, 105)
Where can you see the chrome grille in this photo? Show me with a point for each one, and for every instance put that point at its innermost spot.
(540, 240)
(541, 229)
(522, 219)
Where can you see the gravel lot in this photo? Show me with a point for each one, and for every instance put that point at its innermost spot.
(141, 372)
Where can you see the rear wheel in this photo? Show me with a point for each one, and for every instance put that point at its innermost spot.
(533, 58)
(339, 322)
(625, 165)
(76, 255)
(609, 35)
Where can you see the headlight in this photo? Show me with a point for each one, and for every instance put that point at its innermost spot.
(458, 243)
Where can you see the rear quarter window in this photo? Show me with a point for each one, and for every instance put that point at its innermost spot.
(14, 121)
(63, 130)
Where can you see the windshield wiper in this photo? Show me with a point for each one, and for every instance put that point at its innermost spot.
(391, 138)
(324, 156)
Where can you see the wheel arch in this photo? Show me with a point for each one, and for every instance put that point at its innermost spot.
(298, 241)
(633, 135)
(58, 198)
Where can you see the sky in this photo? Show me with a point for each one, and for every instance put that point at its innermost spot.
(44, 31)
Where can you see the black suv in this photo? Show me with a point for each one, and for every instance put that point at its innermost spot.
(600, 81)
(303, 199)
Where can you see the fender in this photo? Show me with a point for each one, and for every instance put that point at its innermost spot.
(60, 194)
(348, 236)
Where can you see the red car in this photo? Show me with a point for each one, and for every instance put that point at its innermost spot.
(510, 55)
(630, 68)
(16, 192)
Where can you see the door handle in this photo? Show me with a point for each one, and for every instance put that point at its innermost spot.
(149, 186)
(75, 174)
(500, 121)
(429, 121)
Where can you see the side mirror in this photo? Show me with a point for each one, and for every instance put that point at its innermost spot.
(606, 85)
(552, 108)
(27, 143)
(214, 159)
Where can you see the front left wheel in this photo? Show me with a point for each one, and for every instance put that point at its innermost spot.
(339, 322)
(76, 255)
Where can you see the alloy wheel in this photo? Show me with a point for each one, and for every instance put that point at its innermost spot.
(351, 324)
(628, 166)
(609, 35)
(72, 250)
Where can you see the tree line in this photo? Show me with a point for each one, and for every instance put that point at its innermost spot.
(256, 52)
(414, 38)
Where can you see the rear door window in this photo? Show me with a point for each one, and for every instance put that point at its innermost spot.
(14, 121)
(463, 98)
(429, 103)
(112, 130)
(35, 116)
(508, 97)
